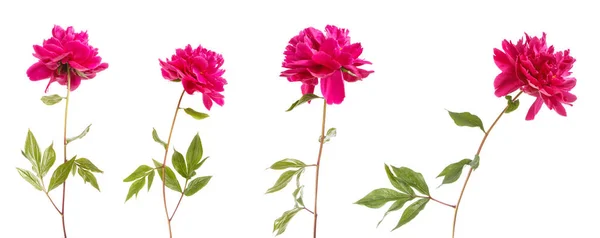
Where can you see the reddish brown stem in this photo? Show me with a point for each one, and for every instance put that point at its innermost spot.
(321, 142)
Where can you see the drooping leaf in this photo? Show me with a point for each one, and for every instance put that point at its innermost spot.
(397, 205)
(281, 223)
(140, 172)
(88, 176)
(150, 179)
(135, 188)
(330, 134)
(32, 150)
(475, 163)
(179, 164)
(466, 119)
(196, 115)
(196, 184)
(81, 135)
(397, 183)
(30, 178)
(157, 139)
(171, 180)
(60, 174)
(88, 165)
(305, 98)
(298, 174)
(48, 159)
(453, 171)
(379, 197)
(411, 212)
(194, 153)
(287, 163)
(511, 105)
(51, 99)
(412, 178)
(298, 195)
(283, 181)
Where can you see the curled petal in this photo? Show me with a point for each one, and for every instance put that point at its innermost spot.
(332, 88)
(38, 71)
(534, 109)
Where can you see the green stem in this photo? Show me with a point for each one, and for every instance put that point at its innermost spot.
(487, 133)
(164, 193)
(62, 212)
(321, 142)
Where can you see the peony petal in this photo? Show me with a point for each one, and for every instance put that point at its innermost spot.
(506, 83)
(75, 81)
(332, 88)
(503, 61)
(534, 109)
(189, 84)
(207, 101)
(326, 60)
(38, 71)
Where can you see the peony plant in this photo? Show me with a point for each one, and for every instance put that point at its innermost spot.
(329, 59)
(66, 58)
(529, 67)
(199, 70)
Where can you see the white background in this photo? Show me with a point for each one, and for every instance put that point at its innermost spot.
(536, 179)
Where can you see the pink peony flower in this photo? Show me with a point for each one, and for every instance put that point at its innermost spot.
(537, 70)
(199, 71)
(331, 57)
(66, 52)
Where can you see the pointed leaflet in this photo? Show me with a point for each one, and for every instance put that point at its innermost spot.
(179, 164)
(73, 166)
(32, 151)
(60, 174)
(283, 181)
(52, 99)
(332, 132)
(87, 176)
(48, 160)
(287, 163)
(411, 212)
(30, 178)
(397, 183)
(199, 165)
(511, 105)
(453, 171)
(194, 153)
(196, 115)
(466, 119)
(135, 188)
(81, 135)
(298, 195)
(412, 178)
(171, 180)
(397, 205)
(302, 100)
(88, 165)
(475, 163)
(195, 185)
(140, 172)
(157, 139)
(150, 179)
(281, 223)
(379, 197)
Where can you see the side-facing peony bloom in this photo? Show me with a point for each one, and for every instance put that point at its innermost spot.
(537, 70)
(66, 51)
(199, 70)
(330, 57)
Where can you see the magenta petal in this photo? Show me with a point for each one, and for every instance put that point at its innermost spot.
(38, 71)
(189, 84)
(75, 81)
(207, 101)
(534, 109)
(332, 88)
(502, 60)
(506, 83)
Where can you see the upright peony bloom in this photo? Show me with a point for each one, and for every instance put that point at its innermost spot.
(537, 70)
(312, 55)
(66, 51)
(199, 70)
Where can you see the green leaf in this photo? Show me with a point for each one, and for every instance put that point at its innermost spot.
(466, 119)
(196, 184)
(397, 205)
(305, 98)
(179, 163)
(475, 163)
(60, 174)
(283, 181)
(281, 223)
(48, 160)
(298, 195)
(397, 183)
(73, 165)
(30, 178)
(88, 176)
(511, 105)
(140, 172)
(199, 165)
(453, 171)
(171, 180)
(81, 135)
(379, 197)
(412, 178)
(194, 153)
(88, 165)
(32, 150)
(196, 115)
(52, 99)
(298, 174)
(135, 188)
(157, 139)
(411, 212)
(287, 163)
(150, 179)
